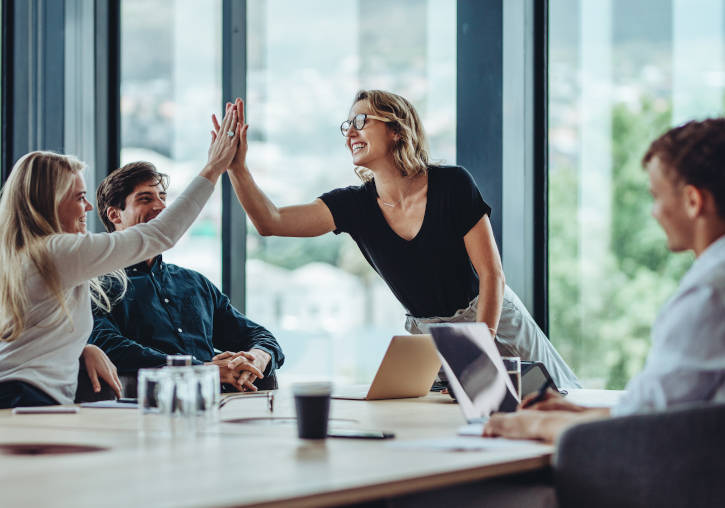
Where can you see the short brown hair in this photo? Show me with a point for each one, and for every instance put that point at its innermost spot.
(695, 153)
(116, 187)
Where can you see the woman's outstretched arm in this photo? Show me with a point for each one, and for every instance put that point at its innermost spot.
(311, 219)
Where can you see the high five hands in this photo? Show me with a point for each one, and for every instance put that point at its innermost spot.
(239, 160)
(225, 144)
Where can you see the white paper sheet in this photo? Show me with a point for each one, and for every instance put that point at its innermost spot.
(113, 404)
(462, 444)
(472, 429)
(45, 410)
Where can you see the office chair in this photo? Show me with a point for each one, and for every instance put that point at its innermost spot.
(674, 458)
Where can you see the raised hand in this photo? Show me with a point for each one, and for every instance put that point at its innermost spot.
(224, 146)
(239, 161)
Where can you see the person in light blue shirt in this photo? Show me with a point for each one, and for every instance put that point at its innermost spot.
(686, 364)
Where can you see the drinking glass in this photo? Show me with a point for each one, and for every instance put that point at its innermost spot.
(513, 369)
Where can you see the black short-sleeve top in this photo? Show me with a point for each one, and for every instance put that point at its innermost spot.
(431, 274)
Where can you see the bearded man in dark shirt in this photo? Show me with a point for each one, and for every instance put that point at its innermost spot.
(169, 310)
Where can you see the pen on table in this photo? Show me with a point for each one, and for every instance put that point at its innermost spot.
(539, 396)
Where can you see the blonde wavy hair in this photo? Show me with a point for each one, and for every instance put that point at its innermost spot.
(28, 216)
(411, 150)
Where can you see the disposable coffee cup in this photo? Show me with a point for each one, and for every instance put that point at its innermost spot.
(312, 403)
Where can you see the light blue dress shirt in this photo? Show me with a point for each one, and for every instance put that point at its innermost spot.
(687, 360)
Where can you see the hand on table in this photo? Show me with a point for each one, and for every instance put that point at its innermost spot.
(241, 369)
(552, 401)
(544, 426)
(253, 362)
(98, 364)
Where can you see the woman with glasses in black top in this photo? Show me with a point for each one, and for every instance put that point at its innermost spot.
(424, 228)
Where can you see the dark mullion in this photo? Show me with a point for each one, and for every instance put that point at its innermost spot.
(108, 86)
(479, 95)
(38, 66)
(541, 164)
(234, 226)
(7, 88)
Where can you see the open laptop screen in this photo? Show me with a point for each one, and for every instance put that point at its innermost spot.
(475, 371)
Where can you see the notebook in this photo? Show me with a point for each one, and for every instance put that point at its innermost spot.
(407, 369)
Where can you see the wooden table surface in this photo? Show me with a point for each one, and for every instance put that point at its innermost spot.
(261, 463)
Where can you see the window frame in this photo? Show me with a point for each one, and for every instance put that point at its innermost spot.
(487, 30)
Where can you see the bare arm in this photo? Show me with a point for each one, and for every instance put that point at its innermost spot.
(482, 251)
(312, 219)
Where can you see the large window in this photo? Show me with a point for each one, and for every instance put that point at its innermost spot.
(331, 312)
(170, 84)
(620, 73)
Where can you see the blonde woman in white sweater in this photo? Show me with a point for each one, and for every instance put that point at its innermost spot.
(48, 266)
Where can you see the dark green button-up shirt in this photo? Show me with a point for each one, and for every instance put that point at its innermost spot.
(170, 310)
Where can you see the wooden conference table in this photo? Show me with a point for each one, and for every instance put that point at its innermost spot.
(260, 462)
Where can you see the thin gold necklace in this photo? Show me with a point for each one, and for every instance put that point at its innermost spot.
(391, 205)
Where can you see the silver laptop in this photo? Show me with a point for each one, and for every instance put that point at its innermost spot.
(408, 369)
(475, 371)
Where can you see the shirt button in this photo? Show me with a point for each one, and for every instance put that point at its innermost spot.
(178, 330)
(166, 300)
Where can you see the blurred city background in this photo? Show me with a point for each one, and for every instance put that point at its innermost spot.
(620, 72)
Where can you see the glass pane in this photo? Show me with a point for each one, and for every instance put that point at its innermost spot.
(170, 84)
(331, 313)
(620, 73)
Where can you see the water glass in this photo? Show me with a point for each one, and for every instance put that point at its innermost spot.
(513, 369)
(150, 383)
(178, 360)
(208, 393)
(179, 399)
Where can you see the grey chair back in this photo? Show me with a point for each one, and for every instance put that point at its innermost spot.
(672, 459)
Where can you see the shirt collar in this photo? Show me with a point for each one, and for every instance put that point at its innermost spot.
(710, 258)
(156, 267)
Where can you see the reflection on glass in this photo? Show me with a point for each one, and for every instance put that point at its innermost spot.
(170, 83)
(620, 73)
(331, 313)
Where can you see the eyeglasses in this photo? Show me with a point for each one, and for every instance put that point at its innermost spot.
(359, 122)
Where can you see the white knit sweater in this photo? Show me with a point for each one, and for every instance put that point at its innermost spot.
(46, 353)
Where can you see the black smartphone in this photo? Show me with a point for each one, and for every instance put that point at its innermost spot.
(360, 434)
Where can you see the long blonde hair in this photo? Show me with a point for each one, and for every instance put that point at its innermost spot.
(28, 215)
(411, 150)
